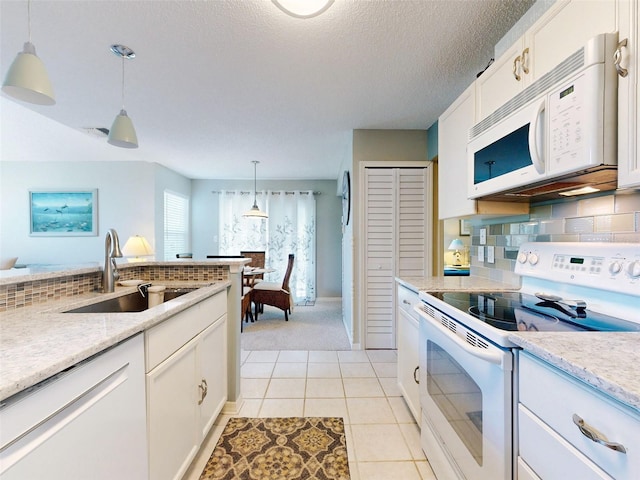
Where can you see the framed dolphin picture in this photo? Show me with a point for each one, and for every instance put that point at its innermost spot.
(60, 213)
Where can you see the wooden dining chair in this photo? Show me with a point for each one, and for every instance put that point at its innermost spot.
(273, 293)
(258, 258)
(245, 305)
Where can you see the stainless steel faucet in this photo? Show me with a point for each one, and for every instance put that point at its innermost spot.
(111, 252)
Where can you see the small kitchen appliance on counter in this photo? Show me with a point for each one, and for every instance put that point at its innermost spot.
(467, 368)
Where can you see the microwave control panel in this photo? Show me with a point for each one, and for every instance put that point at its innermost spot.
(567, 125)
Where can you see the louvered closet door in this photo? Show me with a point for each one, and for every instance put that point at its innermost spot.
(395, 225)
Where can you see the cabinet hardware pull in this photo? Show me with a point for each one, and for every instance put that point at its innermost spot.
(525, 62)
(617, 59)
(595, 436)
(515, 68)
(204, 391)
(415, 379)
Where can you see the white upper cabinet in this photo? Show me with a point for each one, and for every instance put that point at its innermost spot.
(562, 30)
(453, 135)
(628, 95)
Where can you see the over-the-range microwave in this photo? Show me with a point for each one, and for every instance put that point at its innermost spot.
(557, 135)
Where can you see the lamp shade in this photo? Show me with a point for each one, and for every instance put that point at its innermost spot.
(255, 212)
(456, 244)
(122, 133)
(303, 8)
(137, 246)
(27, 78)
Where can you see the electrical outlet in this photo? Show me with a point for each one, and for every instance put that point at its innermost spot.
(481, 254)
(491, 254)
(483, 236)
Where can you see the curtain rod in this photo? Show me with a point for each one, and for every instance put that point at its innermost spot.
(303, 192)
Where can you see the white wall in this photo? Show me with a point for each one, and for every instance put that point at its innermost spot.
(39, 153)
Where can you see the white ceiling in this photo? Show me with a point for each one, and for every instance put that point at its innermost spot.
(216, 84)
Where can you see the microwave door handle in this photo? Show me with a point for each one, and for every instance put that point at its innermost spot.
(534, 136)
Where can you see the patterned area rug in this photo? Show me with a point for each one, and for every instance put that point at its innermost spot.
(280, 449)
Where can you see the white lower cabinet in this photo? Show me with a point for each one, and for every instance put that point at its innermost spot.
(408, 350)
(559, 417)
(186, 389)
(87, 422)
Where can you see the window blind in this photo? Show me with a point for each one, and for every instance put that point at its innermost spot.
(176, 224)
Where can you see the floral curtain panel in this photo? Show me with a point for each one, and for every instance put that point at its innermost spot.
(290, 228)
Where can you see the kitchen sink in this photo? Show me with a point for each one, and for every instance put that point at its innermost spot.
(132, 302)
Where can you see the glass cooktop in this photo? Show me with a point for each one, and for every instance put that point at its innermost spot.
(524, 312)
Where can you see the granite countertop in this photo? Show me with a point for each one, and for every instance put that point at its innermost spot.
(453, 284)
(40, 341)
(45, 272)
(608, 361)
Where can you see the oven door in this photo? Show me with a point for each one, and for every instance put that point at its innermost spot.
(466, 398)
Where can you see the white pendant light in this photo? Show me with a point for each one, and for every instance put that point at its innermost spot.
(255, 210)
(122, 133)
(303, 8)
(27, 78)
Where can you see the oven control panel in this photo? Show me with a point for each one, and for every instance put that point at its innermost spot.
(606, 266)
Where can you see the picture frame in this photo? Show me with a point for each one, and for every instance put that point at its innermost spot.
(465, 227)
(63, 213)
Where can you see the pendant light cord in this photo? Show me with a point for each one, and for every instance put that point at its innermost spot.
(29, 19)
(255, 182)
(122, 82)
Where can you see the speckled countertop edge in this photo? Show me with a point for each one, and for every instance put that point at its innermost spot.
(608, 361)
(40, 341)
(446, 284)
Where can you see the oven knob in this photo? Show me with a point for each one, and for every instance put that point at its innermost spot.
(633, 269)
(615, 268)
(522, 257)
(533, 258)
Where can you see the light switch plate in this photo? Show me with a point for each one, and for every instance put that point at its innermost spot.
(491, 254)
(483, 236)
(481, 254)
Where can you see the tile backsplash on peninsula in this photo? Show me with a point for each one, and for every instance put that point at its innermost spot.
(608, 218)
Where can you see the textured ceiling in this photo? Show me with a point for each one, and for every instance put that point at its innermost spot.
(217, 84)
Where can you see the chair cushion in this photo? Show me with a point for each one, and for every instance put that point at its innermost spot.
(273, 286)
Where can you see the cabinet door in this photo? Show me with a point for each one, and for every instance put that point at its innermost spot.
(212, 355)
(503, 80)
(413, 218)
(408, 361)
(453, 135)
(173, 414)
(628, 97)
(563, 29)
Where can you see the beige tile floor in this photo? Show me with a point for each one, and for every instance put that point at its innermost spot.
(383, 440)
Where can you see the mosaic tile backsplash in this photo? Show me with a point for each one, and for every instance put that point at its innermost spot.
(24, 294)
(609, 218)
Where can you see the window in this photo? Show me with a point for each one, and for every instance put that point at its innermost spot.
(176, 224)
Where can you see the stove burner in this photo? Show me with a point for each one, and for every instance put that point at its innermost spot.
(521, 319)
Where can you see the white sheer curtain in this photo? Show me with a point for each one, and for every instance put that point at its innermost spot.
(290, 228)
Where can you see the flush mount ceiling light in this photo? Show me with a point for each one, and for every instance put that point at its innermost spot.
(122, 133)
(27, 79)
(255, 211)
(303, 8)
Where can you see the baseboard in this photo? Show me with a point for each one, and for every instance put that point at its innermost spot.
(233, 408)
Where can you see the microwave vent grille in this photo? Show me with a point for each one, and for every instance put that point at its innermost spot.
(540, 86)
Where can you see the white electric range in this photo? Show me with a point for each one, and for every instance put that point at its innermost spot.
(467, 368)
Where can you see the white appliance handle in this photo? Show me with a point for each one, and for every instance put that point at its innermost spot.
(534, 149)
(481, 353)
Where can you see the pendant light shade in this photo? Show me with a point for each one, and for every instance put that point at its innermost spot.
(27, 78)
(255, 210)
(122, 133)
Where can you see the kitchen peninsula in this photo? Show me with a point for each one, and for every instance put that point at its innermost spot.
(129, 366)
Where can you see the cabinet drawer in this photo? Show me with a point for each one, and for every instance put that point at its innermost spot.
(407, 299)
(168, 336)
(549, 455)
(555, 397)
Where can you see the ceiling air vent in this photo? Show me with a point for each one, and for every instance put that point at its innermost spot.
(98, 132)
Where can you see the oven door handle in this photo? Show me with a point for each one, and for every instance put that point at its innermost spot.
(481, 353)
